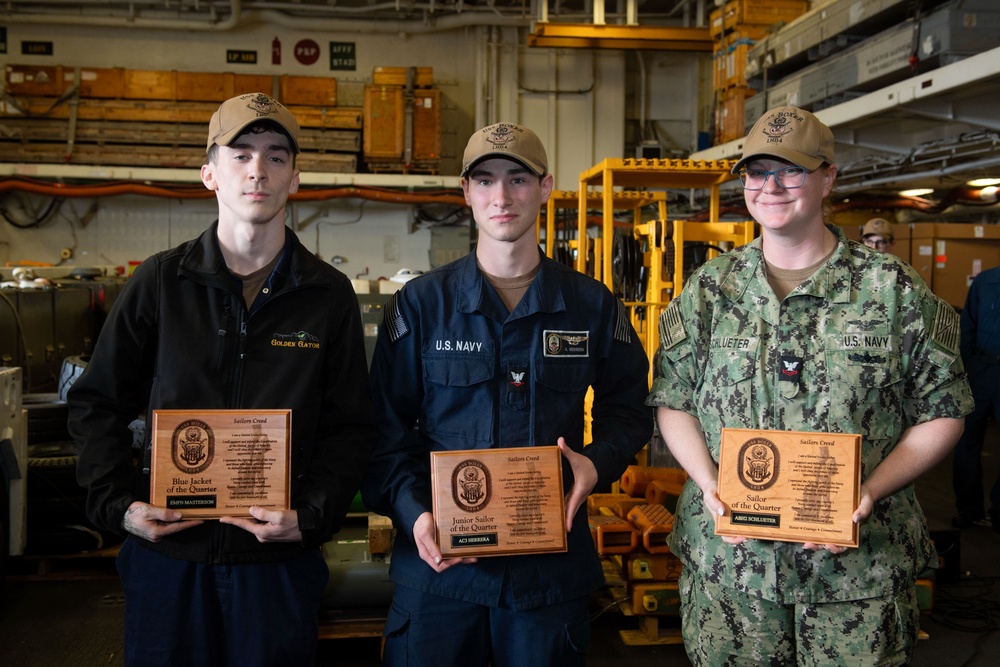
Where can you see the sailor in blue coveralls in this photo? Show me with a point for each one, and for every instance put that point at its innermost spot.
(498, 350)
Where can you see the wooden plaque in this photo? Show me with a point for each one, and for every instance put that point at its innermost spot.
(213, 463)
(499, 502)
(790, 486)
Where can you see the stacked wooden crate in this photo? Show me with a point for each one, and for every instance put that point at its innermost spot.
(402, 120)
(630, 529)
(154, 118)
(735, 28)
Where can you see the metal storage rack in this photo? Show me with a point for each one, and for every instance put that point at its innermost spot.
(615, 176)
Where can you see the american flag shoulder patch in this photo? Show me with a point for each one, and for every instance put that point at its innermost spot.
(623, 328)
(393, 320)
(946, 327)
(671, 326)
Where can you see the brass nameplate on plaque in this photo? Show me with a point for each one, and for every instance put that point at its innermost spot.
(213, 463)
(790, 486)
(498, 502)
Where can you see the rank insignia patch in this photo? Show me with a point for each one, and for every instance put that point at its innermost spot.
(517, 378)
(791, 369)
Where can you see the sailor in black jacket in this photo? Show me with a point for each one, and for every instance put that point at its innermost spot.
(203, 326)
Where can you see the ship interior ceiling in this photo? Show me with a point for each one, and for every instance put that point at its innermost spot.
(935, 131)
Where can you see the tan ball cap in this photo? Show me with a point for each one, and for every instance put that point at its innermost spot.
(506, 140)
(878, 226)
(236, 113)
(791, 134)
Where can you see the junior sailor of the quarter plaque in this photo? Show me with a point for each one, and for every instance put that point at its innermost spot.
(495, 502)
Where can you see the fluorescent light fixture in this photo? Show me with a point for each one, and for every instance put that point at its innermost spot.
(916, 192)
(983, 182)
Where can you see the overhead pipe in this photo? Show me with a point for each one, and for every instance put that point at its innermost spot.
(274, 14)
(446, 196)
(130, 21)
(963, 167)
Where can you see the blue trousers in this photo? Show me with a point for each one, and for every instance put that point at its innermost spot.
(424, 630)
(967, 464)
(184, 614)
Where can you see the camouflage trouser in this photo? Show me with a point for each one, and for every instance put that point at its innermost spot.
(722, 626)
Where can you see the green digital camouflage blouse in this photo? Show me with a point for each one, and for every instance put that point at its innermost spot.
(876, 352)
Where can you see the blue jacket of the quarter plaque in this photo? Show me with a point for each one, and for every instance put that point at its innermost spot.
(453, 370)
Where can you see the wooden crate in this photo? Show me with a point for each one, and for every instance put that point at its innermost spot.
(250, 83)
(426, 125)
(219, 86)
(142, 84)
(158, 118)
(133, 84)
(202, 87)
(764, 13)
(308, 90)
(340, 118)
(33, 80)
(738, 45)
(383, 122)
(162, 111)
(99, 82)
(396, 76)
(730, 118)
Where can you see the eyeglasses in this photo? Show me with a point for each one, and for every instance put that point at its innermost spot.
(877, 243)
(787, 178)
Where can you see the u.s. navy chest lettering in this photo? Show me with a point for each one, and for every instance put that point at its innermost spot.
(457, 345)
(874, 341)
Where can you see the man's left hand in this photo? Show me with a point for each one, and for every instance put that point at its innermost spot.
(584, 480)
(268, 525)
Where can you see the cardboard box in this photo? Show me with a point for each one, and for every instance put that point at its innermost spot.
(922, 250)
(961, 252)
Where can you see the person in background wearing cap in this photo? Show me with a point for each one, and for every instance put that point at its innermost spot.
(981, 353)
(200, 327)
(877, 234)
(498, 349)
(804, 330)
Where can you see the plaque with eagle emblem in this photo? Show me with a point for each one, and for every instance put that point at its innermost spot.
(498, 502)
(789, 486)
(213, 463)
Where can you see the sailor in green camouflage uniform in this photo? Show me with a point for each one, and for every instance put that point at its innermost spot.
(804, 330)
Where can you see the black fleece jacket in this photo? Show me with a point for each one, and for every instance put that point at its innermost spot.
(180, 337)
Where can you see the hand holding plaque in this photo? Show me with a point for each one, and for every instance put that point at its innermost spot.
(213, 463)
(498, 502)
(790, 486)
